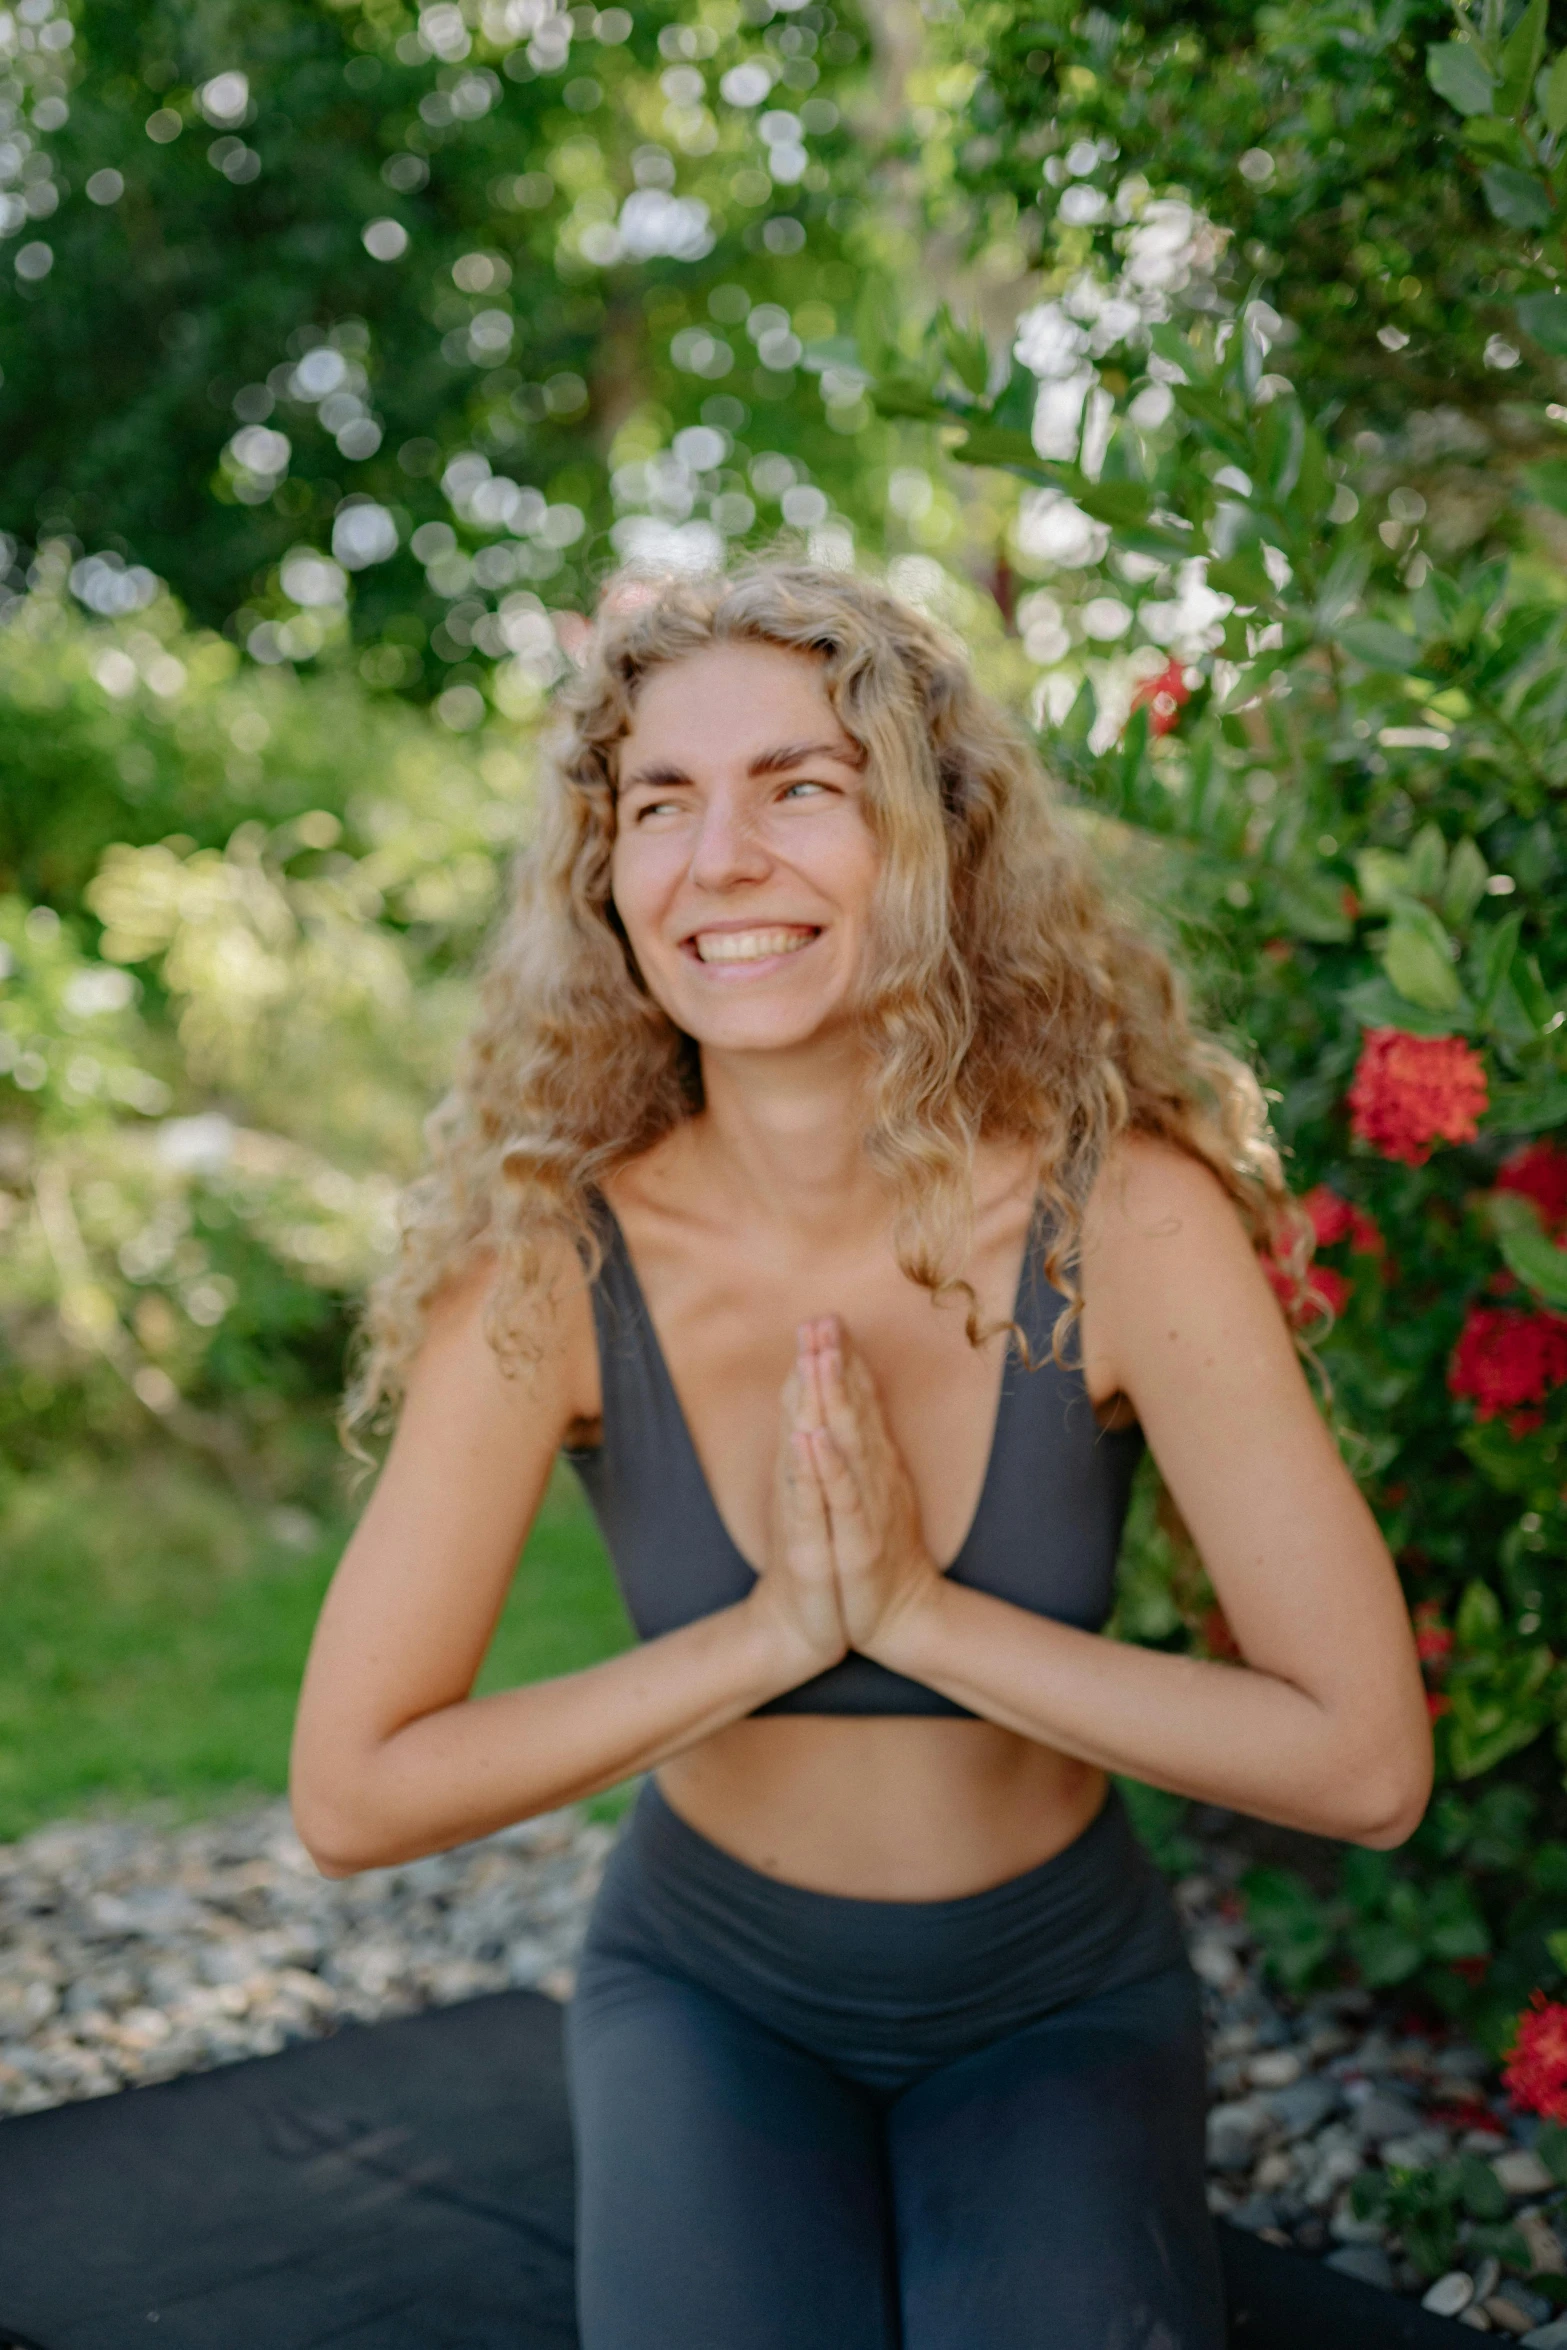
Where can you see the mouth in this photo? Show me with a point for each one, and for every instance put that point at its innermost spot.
(764, 944)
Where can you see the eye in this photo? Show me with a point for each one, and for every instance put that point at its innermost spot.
(656, 808)
(804, 784)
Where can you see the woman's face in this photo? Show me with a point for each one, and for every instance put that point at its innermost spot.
(744, 867)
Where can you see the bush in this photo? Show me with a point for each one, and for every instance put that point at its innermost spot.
(1300, 616)
(215, 1063)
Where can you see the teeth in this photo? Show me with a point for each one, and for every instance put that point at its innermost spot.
(748, 946)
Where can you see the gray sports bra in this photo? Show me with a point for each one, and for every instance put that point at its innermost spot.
(1045, 1533)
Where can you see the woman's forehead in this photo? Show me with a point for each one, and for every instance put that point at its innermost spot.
(735, 701)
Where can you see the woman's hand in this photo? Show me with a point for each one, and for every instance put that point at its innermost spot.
(881, 1564)
(797, 1592)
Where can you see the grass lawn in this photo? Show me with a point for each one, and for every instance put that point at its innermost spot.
(154, 1634)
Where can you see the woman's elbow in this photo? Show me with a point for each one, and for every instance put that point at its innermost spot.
(1388, 1802)
(334, 1833)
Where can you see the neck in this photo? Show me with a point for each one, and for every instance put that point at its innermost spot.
(786, 1132)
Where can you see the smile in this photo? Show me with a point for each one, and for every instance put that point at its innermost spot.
(750, 946)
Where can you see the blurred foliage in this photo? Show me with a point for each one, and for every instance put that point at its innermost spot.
(1300, 620)
(424, 293)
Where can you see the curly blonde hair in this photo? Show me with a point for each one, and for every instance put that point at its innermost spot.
(1007, 996)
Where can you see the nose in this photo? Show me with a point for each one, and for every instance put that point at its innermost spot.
(729, 847)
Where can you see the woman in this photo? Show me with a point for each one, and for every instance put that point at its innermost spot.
(817, 1093)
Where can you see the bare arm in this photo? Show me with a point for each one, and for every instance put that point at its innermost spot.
(1324, 1726)
(392, 1757)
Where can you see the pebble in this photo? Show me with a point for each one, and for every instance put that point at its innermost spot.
(1546, 2256)
(1522, 2172)
(1516, 2310)
(1383, 2114)
(1276, 2068)
(132, 1951)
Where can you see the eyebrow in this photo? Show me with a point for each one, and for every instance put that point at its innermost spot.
(772, 762)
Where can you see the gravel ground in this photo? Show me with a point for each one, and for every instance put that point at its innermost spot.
(131, 1951)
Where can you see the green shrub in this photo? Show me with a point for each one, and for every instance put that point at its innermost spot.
(1300, 618)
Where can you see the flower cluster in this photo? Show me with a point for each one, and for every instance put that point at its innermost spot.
(1507, 1359)
(1536, 2074)
(1538, 1172)
(1410, 1092)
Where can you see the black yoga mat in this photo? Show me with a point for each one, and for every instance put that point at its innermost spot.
(401, 2186)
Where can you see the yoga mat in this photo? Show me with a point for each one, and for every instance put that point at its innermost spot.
(403, 2186)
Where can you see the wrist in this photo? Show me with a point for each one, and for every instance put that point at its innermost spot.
(911, 1634)
(783, 1652)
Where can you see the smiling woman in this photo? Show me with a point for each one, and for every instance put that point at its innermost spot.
(812, 1023)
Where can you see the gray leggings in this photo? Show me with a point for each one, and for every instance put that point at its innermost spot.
(807, 2123)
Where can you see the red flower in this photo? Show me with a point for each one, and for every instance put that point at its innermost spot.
(1334, 1218)
(1536, 2074)
(1437, 1705)
(1163, 696)
(1330, 1213)
(1539, 1172)
(1322, 1288)
(1433, 1640)
(1332, 1288)
(1412, 1091)
(1506, 1358)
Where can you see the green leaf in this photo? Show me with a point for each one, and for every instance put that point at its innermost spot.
(1521, 58)
(1548, 482)
(1556, 96)
(1243, 577)
(1556, 1944)
(1496, 141)
(1382, 877)
(1551, 2144)
(1479, 1618)
(989, 444)
(1014, 409)
(1484, 2196)
(1455, 72)
(1376, 1003)
(1311, 905)
(1378, 644)
(1427, 861)
(1115, 502)
(1383, 1953)
(1467, 875)
(967, 352)
(1539, 1264)
(1416, 954)
(1517, 198)
(1478, 1742)
(906, 395)
(1500, 2242)
(1496, 952)
(1533, 1107)
(1543, 318)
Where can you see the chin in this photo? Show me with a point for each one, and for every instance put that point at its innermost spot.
(754, 1027)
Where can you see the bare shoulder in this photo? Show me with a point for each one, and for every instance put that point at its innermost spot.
(1153, 1200)
(551, 1360)
(1169, 1273)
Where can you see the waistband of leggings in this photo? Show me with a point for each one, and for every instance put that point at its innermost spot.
(1094, 1915)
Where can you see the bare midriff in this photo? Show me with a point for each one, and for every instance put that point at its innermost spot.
(883, 1807)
